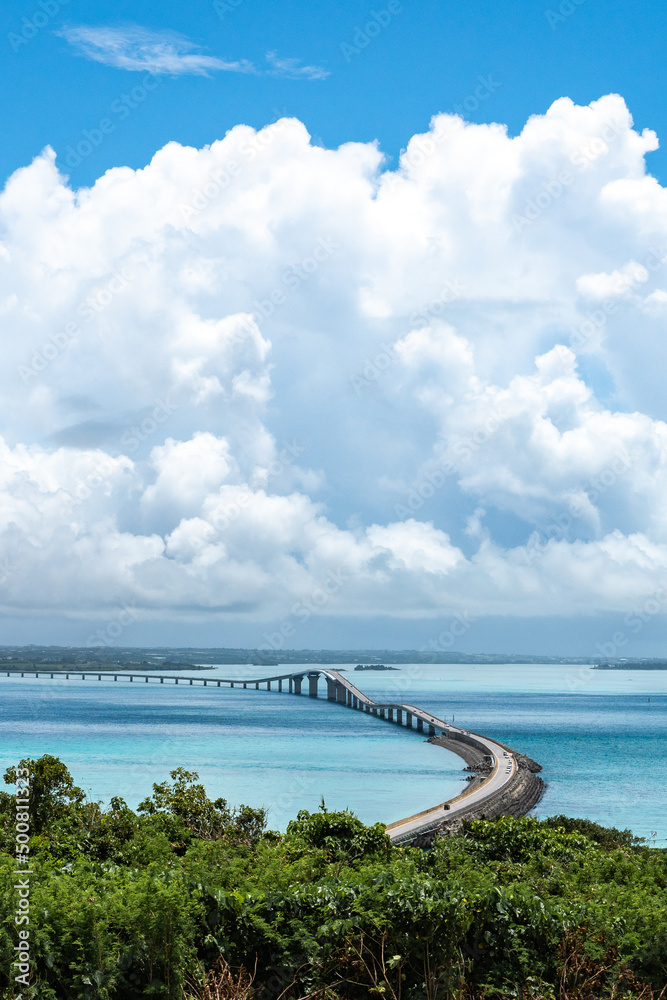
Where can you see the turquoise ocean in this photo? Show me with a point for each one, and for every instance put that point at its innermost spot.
(600, 737)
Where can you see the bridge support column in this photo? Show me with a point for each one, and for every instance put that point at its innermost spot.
(355, 701)
(115, 677)
(231, 684)
(145, 678)
(51, 676)
(340, 693)
(408, 720)
(382, 715)
(280, 684)
(331, 689)
(431, 730)
(290, 685)
(349, 697)
(256, 685)
(390, 713)
(399, 716)
(312, 685)
(268, 685)
(245, 686)
(219, 683)
(190, 682)
(297, 685)
(420, 725)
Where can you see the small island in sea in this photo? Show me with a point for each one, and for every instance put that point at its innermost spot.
(632, 665)
(373, 666)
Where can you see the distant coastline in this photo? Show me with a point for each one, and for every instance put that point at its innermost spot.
(192, 657)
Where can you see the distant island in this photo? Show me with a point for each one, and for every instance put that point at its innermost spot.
(373, 666)
(632, 665)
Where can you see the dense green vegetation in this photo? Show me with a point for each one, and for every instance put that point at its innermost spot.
(189, 898)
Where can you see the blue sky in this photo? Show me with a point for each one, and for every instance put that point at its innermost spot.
(427, 59)
(300, 348)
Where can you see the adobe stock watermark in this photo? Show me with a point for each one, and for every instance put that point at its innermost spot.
(243, 500)
(554, 188)
(565, 9)
(593, 489)
(423, 146)
(89, 309)
(364, 34)
(303, 610)
(135, 436)
(634, 621)
(40, 18)
(220, 179)
(23, 871)
(120, 110)
(374, 367)
(451, 291)
(595, 319)
(224, 7)
(294, 276)
(460, 624)
(433, 480)
(125, 617)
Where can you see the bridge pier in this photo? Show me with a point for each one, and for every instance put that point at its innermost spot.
(431, 729)
(331, 689)
(408, 720)
(115, 677)
(297, 685)
(268, 685)
(290, 685)
(280, 684)
(256, 685)
(340, 693)
(390, 713)
(399, 716)
(420, 725)
(312, 685)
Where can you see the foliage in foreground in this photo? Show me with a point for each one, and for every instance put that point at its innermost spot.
(188, 898)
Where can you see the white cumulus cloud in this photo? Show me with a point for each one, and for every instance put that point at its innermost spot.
(263, 376)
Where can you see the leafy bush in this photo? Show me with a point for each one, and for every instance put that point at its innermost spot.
(127, 905)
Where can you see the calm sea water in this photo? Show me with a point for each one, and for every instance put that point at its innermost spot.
(599, 735)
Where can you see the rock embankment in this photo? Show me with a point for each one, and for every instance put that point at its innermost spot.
(516, 798)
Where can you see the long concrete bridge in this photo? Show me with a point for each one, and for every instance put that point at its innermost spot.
(491, 790)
